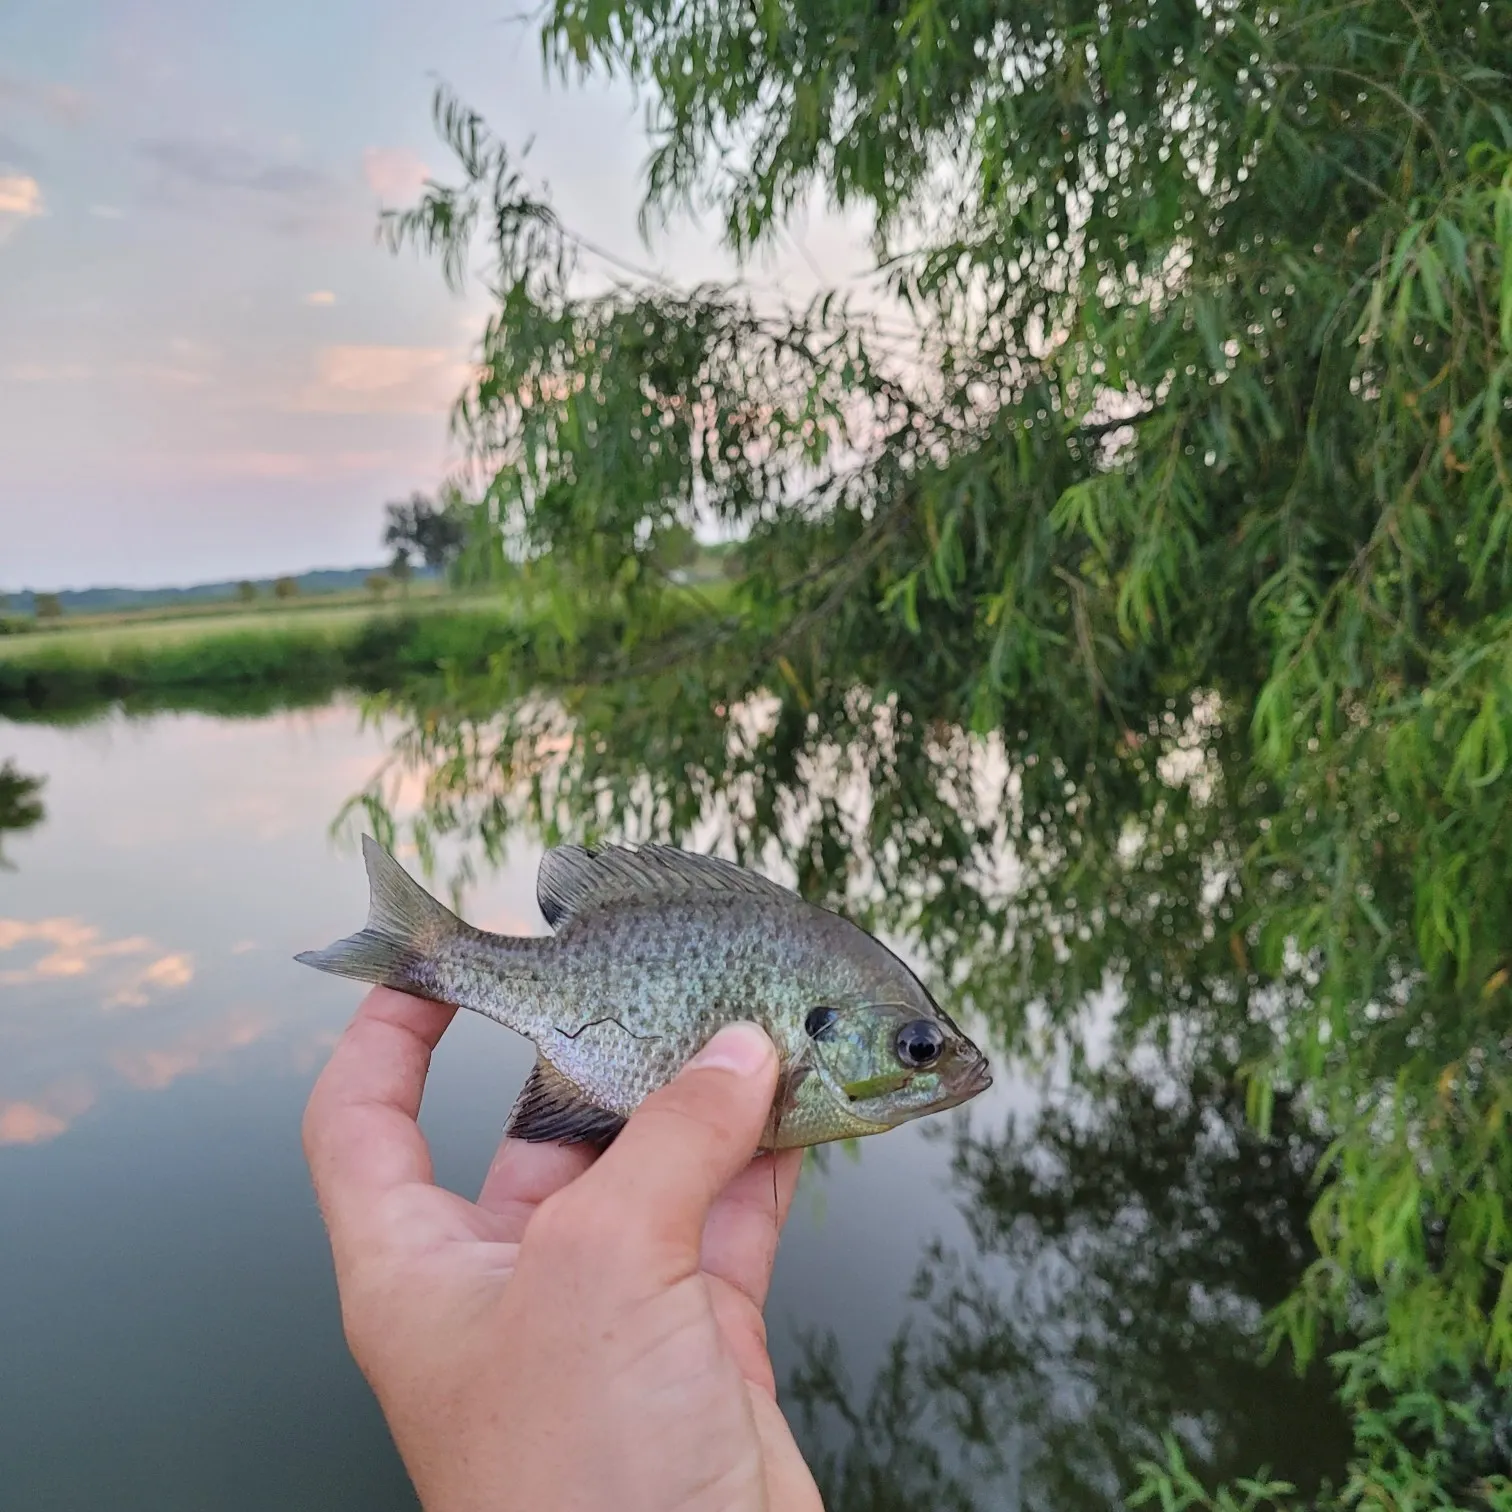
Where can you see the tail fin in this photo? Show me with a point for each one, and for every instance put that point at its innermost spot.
(405, 928)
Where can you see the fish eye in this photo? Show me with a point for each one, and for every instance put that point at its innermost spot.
(819, 1022)
(919, 1044)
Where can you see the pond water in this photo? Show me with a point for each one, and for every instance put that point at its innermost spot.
(1002, 1307)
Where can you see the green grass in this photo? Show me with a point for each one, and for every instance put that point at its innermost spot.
(101, 637)
(237, 654)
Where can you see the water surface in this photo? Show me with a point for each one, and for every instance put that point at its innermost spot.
(998, 1308)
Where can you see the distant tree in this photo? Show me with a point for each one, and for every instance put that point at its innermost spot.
(285, 588)
(49, 606)
(379, 583)
(401, 571)
(246, 592)
(20, 807)
(676, 547)
(433, 532)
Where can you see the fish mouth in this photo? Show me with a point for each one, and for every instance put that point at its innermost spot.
(977, 1078)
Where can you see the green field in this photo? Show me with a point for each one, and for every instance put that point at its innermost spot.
(308, 648)
(102, 636)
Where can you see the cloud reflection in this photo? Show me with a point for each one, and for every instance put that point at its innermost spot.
(200, 1047)
(72, 948)
(36, 1120)
(169, 971)
(26, 1123)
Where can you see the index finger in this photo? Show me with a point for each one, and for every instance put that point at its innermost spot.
(360, 1134)
(745, 1224)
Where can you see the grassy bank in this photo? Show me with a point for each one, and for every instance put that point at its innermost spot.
(238, 654)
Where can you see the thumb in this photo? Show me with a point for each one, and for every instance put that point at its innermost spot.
(684, 1145)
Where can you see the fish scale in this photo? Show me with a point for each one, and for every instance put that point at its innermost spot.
(655, 950)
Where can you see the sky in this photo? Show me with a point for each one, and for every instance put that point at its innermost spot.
(209, 368)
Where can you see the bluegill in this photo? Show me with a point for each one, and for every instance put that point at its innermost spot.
(653, 950)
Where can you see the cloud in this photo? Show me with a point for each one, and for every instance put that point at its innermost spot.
(20, 200)
(179, 364)
(282, 464)
(174, 375)
(224, 165)
(46, 372)
(320, 297)
(394, 173)
(44, 97)
(107, 212)
(20, 194)
(383, 380)
(193, 174)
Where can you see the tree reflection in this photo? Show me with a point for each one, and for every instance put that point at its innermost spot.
(1124, 1247)
(20, 807)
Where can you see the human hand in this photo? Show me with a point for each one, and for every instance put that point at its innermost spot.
(588, 1334)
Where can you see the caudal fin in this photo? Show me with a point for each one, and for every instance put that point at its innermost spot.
(406, 928)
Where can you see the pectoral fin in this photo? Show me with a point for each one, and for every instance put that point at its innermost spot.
(550, 1110)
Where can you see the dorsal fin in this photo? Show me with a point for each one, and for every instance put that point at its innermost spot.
(574, 881)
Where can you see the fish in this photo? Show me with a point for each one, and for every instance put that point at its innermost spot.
(653, 950)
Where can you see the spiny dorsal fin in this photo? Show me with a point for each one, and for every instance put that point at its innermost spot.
(551, 1110)
(574, 881)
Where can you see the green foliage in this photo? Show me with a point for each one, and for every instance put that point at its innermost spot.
(285, 588)
(1147, 517)
(246, 592)
(47, 606)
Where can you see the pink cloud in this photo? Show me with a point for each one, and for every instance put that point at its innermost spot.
(394, 174)
(47, 372)
(288, 464)
(383, 380)
(20, 200)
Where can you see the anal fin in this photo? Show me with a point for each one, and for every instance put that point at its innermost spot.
(550, 1110)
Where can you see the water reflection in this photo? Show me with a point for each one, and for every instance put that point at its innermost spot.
(1123, 1248)
(20, 805)
(1083, 1272)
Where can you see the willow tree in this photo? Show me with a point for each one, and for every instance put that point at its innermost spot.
(1163, 458)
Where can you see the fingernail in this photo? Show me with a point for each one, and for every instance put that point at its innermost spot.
(741, 1048)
